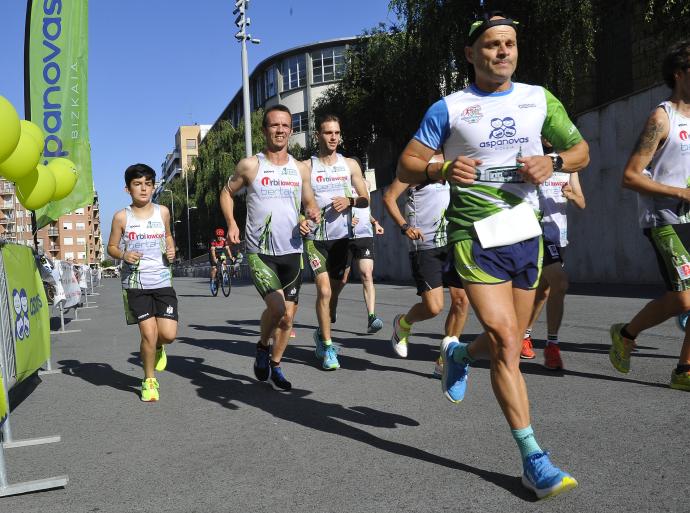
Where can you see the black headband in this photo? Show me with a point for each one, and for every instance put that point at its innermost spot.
(480, 26)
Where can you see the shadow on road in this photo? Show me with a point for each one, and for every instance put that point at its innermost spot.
(227, 389)
(101, 374)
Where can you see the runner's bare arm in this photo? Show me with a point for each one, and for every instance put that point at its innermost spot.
(169, 241)
(573, 192)
(362, 200)
(311, 208)
(414, 166)
(390, 201)
(117, 229)
(538, 168)
(244, 174)
(653, 135)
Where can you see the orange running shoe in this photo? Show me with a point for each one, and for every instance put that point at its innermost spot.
(552, 357)
(527, 353)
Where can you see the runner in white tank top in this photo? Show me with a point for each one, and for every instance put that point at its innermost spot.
(140, 237)
(277, 188)
(659, 170)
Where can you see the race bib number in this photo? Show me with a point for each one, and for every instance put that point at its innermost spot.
(553, 251)
(315, 263)
(683, 271)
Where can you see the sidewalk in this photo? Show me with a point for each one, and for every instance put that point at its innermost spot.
(376, 435)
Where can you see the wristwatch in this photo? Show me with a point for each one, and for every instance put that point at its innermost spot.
(557, 161)
(404, 228)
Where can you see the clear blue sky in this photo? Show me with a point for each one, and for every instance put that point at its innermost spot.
(158, 64)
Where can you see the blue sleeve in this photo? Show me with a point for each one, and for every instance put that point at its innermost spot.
(434, 129)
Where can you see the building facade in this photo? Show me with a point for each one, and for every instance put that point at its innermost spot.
(187, 141)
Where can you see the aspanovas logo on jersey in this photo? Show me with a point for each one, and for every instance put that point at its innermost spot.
(23, 309)
(503, 134)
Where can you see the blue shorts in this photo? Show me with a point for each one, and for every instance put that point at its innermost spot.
(520, 263)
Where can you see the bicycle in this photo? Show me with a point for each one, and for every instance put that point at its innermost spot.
(223, 279)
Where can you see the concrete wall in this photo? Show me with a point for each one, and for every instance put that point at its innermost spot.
(606, 243)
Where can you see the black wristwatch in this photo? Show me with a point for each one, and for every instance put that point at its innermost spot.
(404, 228)
(557, 161)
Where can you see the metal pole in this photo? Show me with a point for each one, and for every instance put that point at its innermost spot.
(245, 101)
(189, 227)
(172, 210)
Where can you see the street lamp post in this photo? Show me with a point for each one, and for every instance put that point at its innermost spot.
(242, 36)
(172, 211)
(189, 230)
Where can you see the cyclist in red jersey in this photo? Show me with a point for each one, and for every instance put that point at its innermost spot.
(218, 248)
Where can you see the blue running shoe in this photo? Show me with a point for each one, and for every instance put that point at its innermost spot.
(278, 380)
(318, 343)
(374, 323)
(262, 367)
(683, 321)
(454, 375)
(330, 358)
(543, 478)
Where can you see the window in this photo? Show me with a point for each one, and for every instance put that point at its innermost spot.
(328, 64)
(68, 255)
(79, 211)
(81, 241)
(270, 82)
(191, 144)
(300, 122)
(294, 72)
(68, 241)
(66, 226)
(81, 226)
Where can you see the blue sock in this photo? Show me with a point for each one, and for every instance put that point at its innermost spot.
(460, 354)
(526, 442)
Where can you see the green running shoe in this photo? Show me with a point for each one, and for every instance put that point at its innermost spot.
(619, 354)
(680, 381)
(161, 359)
(149, 390)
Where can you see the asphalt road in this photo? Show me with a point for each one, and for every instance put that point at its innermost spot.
(376, 435)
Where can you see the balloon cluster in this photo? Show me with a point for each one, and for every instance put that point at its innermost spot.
(21, 147)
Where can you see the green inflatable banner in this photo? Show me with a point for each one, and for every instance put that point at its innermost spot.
(4, 408)
(56, 92)
(29, 314)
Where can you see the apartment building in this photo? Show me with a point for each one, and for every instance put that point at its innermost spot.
(187, 141)
(15, 220)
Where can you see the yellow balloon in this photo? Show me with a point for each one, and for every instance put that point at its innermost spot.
(66, 175)
(9, 128)
(34, 130)
(36, 189)
(24, 158)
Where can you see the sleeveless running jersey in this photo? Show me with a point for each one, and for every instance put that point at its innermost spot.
(146, 236)
(553, 206)
(328, 182)
(670, 166)
(495, 128)
(363, 228)
(425, 209)
(273, 204)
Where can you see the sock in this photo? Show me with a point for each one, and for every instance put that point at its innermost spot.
(327, 342)
(404, 324)
(372, 315)
(274, 364)
(681, 369)
(261, 347)
(460, 354)
(626, 334)
(552, 339)
(526, 442)
(528, 333)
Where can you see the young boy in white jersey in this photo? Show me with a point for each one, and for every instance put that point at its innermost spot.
(659, 170)
(140, 236)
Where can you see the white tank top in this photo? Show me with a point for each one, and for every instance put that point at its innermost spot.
(273, 204)
(670, 166)
(146, 236)
(328, 182)
(425, 209)
(553, 206)
(363, 228)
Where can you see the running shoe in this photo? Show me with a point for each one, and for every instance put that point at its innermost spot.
(374, 324)
(262, 368)
(619, 354)
(543, 477)
(680, 381)
(161, 359)
(683, 320)
(293, 334)
(454, 375)
(330, 358)
(438, 368)
(527, 353)
(214, 287)
(278, 380)
(319, 349)
(552, 357)
(399, 338)
(149, 390)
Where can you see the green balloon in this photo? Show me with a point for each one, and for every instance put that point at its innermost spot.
(66, 175)
(9, 128)
(34, 130)
(36, 189)
(24, 157)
